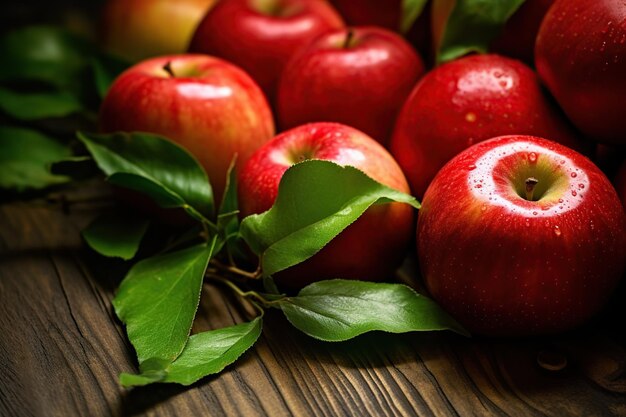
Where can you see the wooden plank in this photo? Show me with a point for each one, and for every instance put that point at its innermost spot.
(62, 349)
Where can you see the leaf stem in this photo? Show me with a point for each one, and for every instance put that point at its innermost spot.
(206, 223)
(247, 295)
(237, 271)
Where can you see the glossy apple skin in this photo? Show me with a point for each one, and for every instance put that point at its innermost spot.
(369, 249)
(581, 57)
(620, 183)
(385, 14)
(506, 266)
(210, 107)
(138, 29)
(259, 42)
(467, 101)
(363, 84)
(517, 39)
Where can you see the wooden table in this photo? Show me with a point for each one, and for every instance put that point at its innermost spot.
(61, 350)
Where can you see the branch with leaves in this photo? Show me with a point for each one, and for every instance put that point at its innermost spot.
(158, 298)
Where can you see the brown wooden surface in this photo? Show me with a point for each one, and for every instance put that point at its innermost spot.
(61, 350)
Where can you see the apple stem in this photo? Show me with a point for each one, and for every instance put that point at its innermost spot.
(168, 68)
(349, 36)
(531, 182)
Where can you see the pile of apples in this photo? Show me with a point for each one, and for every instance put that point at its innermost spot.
(519, 232)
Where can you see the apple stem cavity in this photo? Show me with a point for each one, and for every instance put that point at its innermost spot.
(349, 38)
(168, 68)
(530, 182)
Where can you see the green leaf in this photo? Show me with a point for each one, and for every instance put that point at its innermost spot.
(228, 218)
(338, 310)
(105, 69)
(472, 25)
(117, 234)
(210, 352)
(154, 165)
(316, 201)
(43, 53)
(161, 195)
(229, 207)
(145, 378)
(158, 299)
(24, 158)
(205, 354)
(34, 106)
(411, 10)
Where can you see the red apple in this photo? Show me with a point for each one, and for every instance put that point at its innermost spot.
(581, 56)
(370, 248)
(519, 236)
(518, 36)
(609, 158)
(359, 76)
(260, 36)
(466, 101)
(138, 29)
(385, 14)
(207, 105)
(620, 183)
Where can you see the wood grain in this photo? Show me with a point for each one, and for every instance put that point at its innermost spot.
(61, 350)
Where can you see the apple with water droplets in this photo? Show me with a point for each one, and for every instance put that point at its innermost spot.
(519, 236)
(467, 101)
(580, 55)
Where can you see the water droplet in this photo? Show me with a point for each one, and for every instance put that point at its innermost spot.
(478, 186)
(471, 167)
(581, 186)
(534, 213)
(557, 230)
(574, 193)
(532, 157)
(560, 200)
(573, 175)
